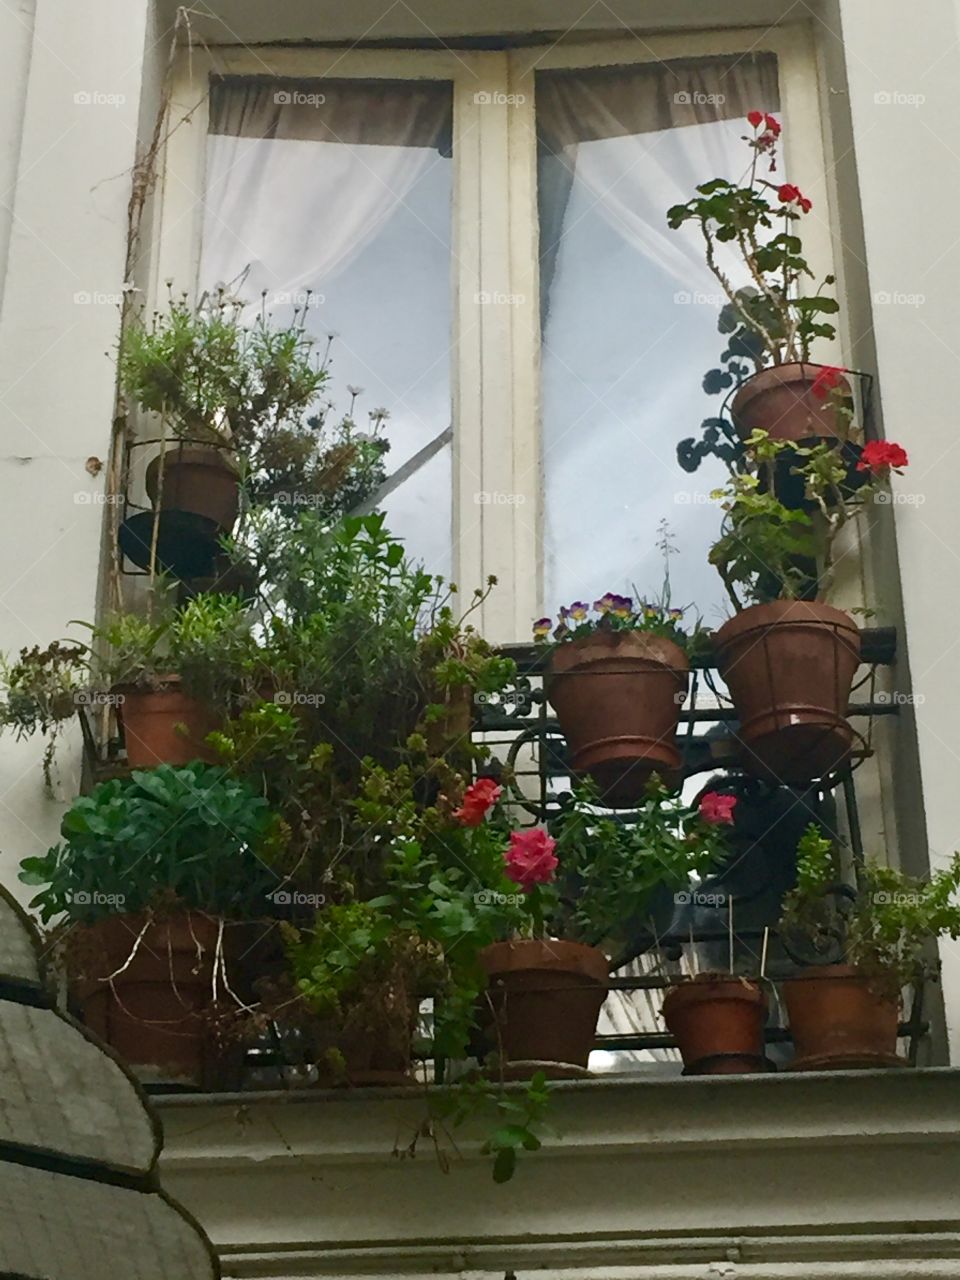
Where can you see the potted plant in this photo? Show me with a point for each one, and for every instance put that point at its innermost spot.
(758, 219)
(845, 1015)
(584, 892)
(617, 679)
(43, 689)
(788, 657)
(160, 877)
(172, 676)
(221, 385)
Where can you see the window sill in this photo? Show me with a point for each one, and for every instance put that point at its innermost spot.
(773, 1176)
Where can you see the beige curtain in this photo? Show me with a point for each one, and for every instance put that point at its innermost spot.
(627, 134)
(347, 149)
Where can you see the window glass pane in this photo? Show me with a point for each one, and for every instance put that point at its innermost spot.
(629, 318)
(344, 188)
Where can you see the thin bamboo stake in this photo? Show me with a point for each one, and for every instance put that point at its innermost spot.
(730, 929)
(763, 953)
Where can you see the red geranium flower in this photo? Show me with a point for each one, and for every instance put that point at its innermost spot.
(477, 799)
(789, 194)
(755, 119)
(773, 124)
(878, 455)
(530, 860)
(717, 808)
(828, 378)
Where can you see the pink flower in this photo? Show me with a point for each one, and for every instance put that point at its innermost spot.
(530, 860)
(477, 799)
(717, 808)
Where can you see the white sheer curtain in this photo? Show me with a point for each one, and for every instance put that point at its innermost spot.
(343, 187)
(629, 313)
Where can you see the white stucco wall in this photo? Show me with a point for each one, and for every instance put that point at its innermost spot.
(78, 80)
(903, 76)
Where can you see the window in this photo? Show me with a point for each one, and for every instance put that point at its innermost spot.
(486, 234)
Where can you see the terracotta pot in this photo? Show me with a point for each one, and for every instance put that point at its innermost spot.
(839, 1021)
(542, 1004)
(718, 1022)
(789, 667)
(618, 695)
(200, 480)
(156, 1013)
(163, 725)
(779, 401)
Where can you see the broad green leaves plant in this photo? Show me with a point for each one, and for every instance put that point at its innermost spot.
(193, 837)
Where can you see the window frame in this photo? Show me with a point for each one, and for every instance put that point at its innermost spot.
(494, 347)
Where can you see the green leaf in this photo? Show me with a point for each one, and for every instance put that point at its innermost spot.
(505, 1164)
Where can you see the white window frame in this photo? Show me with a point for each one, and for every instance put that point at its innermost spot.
(495, 375)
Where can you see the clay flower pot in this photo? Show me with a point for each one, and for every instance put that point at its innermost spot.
(618, 695)
(163, 725)
(780, 401)
(789, 667)
(718, 1023)
(839, 1021)
(542, 1004)
(157, 1012)
(197, 479)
